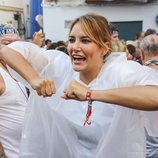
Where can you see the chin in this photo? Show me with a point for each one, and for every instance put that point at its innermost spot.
(77, 68)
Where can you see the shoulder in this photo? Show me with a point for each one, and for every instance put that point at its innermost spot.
(127, 67)
(59, 60)
(22, 45)
(131, 73)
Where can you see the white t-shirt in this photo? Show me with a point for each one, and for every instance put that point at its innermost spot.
(115, 131)
(12, 108)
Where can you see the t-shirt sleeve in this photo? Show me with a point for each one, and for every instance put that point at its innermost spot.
(131, 73)
(59, 68)
(32, 53)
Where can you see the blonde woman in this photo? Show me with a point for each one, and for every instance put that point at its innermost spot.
(61, 128)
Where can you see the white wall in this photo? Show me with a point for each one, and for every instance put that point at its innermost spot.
(26, 7)
(13, 3)
(6, 10)
(6, 16)
(55, 16)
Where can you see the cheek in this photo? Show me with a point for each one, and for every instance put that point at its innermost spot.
(93, 53)
(69, 49)
(15, 37)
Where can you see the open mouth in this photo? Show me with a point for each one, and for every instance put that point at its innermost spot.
(78, 58)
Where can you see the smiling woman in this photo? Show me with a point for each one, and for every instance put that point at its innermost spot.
(85, 54)
(87, 47)
(58, 123)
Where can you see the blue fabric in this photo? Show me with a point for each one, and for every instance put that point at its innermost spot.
(35, 9)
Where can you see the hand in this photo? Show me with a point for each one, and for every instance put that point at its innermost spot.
(43, 87)
(76, 91)
(38, 39)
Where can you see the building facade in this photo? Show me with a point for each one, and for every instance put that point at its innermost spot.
(131, 16)
(12, 12)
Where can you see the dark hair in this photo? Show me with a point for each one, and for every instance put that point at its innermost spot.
(63, 49)
(113, 28)
(47, 40)
(131, 50)
(61, 43)
(138, 35)
(149, 32)
(52, 46)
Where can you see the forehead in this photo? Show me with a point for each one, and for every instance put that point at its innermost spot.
(9, 35)
(77, 30)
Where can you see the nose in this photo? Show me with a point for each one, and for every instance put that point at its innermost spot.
(76, 45)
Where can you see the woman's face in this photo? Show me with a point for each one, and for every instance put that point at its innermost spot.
(86, 56)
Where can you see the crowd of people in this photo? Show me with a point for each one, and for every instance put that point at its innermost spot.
(97, 101)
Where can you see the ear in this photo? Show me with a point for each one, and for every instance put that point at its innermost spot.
(106, 49)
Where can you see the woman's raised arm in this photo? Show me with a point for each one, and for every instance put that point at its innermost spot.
(17, 62)
(138, 97)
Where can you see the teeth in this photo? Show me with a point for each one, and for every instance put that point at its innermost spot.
(77, 57)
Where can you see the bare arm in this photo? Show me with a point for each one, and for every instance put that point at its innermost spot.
(138, 97)
(19, 64)
(2, 153)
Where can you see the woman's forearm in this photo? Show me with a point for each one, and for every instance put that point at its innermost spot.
(139, 97)
(19, 64)
(16, 61)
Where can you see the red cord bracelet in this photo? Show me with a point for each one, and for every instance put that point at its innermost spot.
(89, 110)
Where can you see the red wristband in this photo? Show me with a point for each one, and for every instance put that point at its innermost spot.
(88, 95)
(89, 110)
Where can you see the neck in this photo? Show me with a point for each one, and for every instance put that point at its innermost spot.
(89, 76)
(152, 62)
(147, 58)
(154, 67)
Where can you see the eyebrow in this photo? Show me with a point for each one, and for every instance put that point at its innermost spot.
(80, 37)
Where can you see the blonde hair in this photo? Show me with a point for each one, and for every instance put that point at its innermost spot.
(118, 46)
(96, 27)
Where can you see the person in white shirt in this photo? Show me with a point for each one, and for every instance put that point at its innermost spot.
(55, 127)
(13, 101)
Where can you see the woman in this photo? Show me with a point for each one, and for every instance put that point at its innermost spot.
(65, 128)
